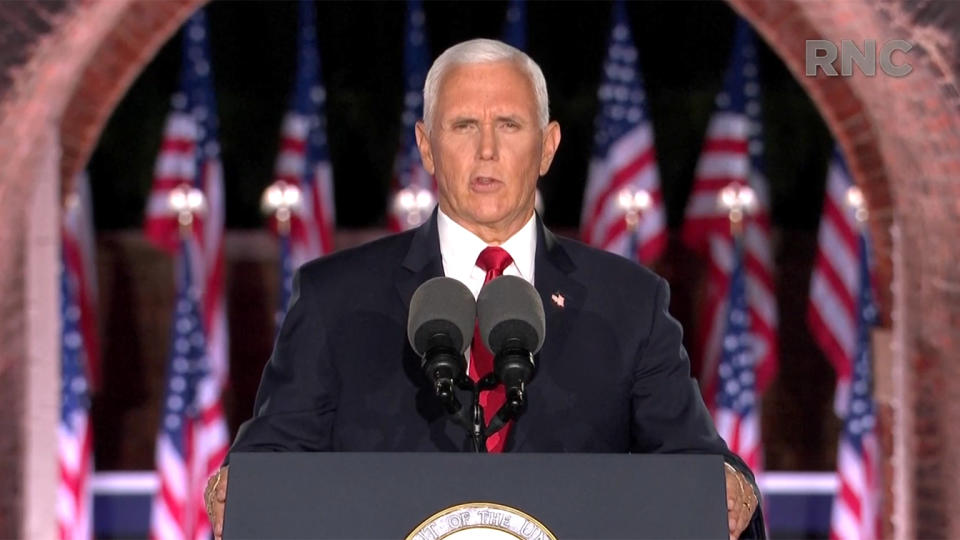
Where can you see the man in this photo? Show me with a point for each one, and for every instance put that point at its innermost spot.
(612, 375)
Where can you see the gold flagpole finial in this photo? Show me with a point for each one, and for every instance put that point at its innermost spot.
(414, 203)
(856, 201)
(279, 200)
(633, 202)
(187, 201)
(738, 200)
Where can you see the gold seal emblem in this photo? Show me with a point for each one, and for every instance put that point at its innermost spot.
(480, 521)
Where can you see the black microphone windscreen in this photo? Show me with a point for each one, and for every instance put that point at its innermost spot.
(510, 308)
(441, 305)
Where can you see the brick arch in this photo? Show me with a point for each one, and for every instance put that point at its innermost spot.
(902, 139)
(123, 53)
(63, 68)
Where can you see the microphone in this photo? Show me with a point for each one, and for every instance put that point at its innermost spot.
(512, 325)
(442, 314)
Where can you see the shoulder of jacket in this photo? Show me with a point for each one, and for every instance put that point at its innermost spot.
(351, 262)
(590, 261)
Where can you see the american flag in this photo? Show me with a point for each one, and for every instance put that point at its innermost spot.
(834, 287)
(733, 155)
(189, 157)
(75, 436)
(623, 156)
(304, 159)
(192, 439)
(78, 251)
(857, 503)
(736, 412)
(408, 173)
(515, 24)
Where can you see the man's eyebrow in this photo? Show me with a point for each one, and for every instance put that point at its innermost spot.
(498, 118)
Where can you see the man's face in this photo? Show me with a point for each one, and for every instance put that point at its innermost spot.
(486, 148)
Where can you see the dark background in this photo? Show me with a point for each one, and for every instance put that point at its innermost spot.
(683, 47)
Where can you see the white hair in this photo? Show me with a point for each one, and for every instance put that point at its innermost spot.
(483, 51)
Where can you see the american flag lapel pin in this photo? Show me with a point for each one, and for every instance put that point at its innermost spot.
(557, 299)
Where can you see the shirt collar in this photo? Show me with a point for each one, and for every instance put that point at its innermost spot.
(460, 248)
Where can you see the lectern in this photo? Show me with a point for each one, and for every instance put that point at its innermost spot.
(434, 496)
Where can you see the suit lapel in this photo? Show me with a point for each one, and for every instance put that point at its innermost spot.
(562, 298)
(422, 261)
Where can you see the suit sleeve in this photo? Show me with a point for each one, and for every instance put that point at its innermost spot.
(669, 415)
(296, 401)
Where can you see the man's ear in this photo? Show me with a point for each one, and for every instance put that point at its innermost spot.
(423, 144)
(551, 140)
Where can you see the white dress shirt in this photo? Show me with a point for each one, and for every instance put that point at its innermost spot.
(459, 249)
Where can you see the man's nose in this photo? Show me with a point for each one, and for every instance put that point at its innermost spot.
(488, 142)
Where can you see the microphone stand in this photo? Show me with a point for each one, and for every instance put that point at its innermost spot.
(471, 418)
(442, 371)
(474, 420)
(480, 431)
(477, 435)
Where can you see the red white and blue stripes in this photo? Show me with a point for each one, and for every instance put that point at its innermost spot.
(841, 316)
(733, 156)
(834, 285)
(623, 157)
(78, 353)
(304, 162)
(192, 439)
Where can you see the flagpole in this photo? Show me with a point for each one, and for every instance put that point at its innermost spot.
(281, 200)
(737, 405)
(738, 200)
(856, 201)
(188, 202)
(414, 203)
(633, 203)
(858, 447)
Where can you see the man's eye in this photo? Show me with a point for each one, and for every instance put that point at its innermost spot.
(510, 124)
(462, 126)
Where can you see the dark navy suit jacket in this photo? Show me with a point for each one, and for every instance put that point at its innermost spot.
(612, 375)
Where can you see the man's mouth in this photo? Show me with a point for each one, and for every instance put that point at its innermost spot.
(484, 183)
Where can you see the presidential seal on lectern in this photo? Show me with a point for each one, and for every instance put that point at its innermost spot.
(481, 521)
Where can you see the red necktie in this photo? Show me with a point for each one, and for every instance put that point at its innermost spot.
(494, 260)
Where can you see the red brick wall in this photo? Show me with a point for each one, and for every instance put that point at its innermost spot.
(23, 27)
(23, 24)
(11, 403)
